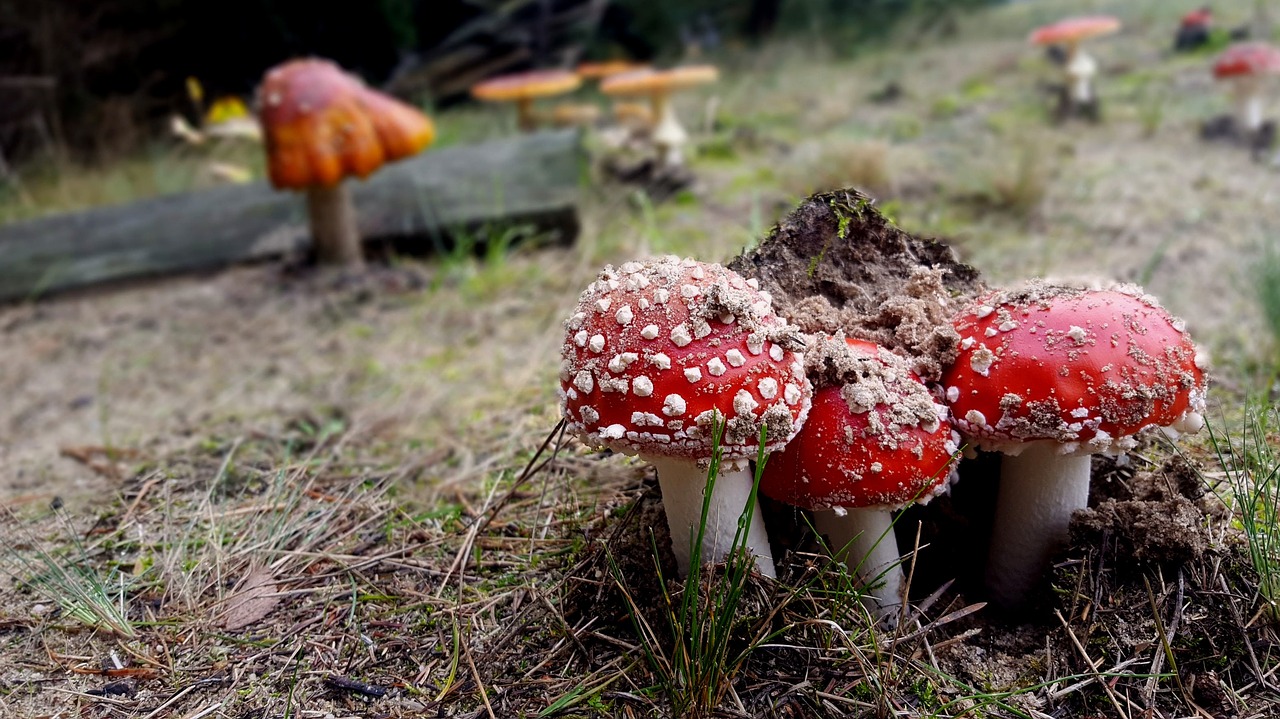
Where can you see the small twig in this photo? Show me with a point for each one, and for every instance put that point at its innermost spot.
(172, 700)
(484, 696)
(1093, 668)
(156, 478)
(205, 712)
(532, 467)
(1230, 601)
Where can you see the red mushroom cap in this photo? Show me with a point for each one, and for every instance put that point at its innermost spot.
(1084, 368)
(1075, 29)
(321, 124)
(874, 438)
(1247, 58)
(1198, 18)
(656, 351)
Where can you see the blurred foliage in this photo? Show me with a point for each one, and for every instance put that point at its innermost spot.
(843, 25)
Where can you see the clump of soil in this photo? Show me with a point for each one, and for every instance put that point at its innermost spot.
(836, 263)
(1147, 518)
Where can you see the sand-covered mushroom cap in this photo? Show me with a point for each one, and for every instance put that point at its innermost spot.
(1073, 30)
(321, 124)
(657, 352)
(875, 436)
(1086, 369)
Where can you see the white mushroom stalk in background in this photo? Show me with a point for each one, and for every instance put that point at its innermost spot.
(657, 356)
(1049, 376)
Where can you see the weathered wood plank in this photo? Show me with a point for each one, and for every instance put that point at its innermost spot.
(531, 179)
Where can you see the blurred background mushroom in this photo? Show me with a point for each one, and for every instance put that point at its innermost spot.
(523, 88)
(1244, 67)
(669, 136)
(1079, 68)
(322, 125)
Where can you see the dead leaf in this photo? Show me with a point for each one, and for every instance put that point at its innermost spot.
(252, 601)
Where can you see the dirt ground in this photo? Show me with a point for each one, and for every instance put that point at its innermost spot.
(440, 373)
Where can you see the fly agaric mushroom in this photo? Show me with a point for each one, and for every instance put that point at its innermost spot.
(1050, 375)
(669, 136)
(523, 88)
(1244, 65)
(320, 125)
(656, 356)
(875, 441)
(1080, 67)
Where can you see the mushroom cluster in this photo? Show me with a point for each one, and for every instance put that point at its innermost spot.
(660, 357)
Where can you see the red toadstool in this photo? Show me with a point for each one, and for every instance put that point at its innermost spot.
(320, 125)
(656, 355)
(1080, 67)
(1244, 65)
(875, 441)
(1049, 376)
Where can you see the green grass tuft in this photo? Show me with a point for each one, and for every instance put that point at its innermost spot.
(1250, 458)
(86, 595)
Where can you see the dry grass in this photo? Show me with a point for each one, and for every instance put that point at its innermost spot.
(328, 497)
(867, 165)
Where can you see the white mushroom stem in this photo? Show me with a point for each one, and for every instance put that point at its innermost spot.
(1080, 70)
(333, 226)
(863, 539)
(1039, 490)
(1248, 98)
(669, 136)
(682, 483)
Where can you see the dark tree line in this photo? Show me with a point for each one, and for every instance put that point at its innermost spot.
(95, 75)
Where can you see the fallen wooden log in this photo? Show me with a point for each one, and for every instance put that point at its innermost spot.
(530, 180)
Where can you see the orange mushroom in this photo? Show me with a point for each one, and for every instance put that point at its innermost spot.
(669, 137)
(320, 125)
(1080, 67)
(523, 88)
(607, 68)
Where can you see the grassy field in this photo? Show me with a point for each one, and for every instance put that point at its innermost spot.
(270, 494)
